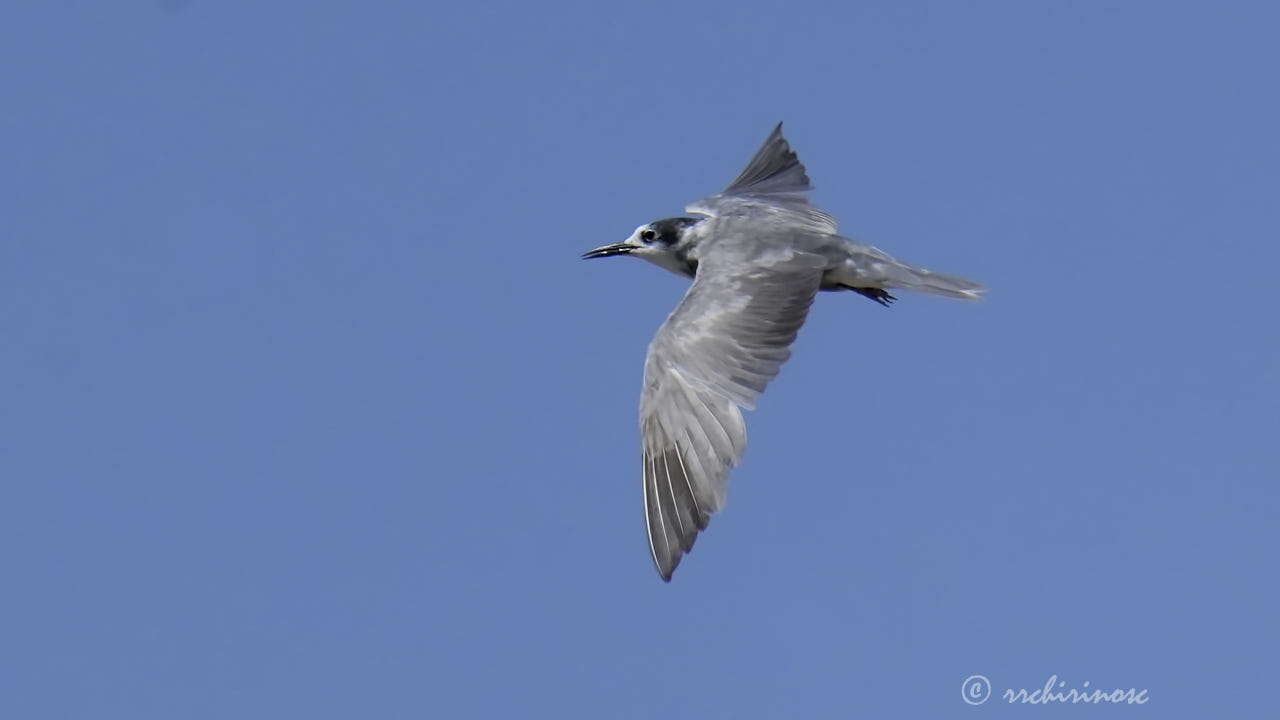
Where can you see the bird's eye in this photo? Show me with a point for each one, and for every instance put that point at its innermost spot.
(648, 235)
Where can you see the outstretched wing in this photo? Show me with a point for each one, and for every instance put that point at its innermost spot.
(774, 180)
(714, 354)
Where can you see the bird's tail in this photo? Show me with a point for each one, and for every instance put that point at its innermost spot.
(866, 266)
(906, 277)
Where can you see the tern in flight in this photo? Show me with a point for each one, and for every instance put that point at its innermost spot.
(758, 255)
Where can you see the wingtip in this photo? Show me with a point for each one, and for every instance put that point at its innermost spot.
(666, 573)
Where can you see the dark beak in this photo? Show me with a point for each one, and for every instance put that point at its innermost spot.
(609, 251)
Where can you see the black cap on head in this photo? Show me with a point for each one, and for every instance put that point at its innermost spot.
(668, 230)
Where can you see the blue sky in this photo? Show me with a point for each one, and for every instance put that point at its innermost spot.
(310, 409)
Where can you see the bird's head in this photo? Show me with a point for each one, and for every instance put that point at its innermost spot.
(665, 243)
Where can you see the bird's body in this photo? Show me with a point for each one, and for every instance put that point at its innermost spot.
(758, 258)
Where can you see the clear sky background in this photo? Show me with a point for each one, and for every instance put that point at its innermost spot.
(310, 410)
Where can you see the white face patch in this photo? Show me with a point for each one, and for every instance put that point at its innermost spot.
(658, 248)
(638, 241)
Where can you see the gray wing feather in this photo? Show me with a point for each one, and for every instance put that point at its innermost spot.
(775, 169)
(775, 181)
(719, 349)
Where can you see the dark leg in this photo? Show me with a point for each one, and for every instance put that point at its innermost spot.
(880, 295)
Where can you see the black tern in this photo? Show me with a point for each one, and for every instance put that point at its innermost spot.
(758, 256)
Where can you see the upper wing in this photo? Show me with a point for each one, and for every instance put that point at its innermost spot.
(775, 180)
(774, 170)
(714, 354)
